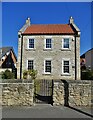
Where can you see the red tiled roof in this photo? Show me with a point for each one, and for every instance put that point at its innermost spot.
(49, 29)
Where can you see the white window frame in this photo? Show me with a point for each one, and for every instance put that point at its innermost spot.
(63, 43)
(28, 43)
(33, 63)
(45, 66)
(67, 59)
(48, 37)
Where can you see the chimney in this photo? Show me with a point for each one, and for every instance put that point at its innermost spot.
(28, 21)
(71, 20)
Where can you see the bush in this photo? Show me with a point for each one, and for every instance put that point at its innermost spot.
(31, 73)
(7, 74)
(87, 75)
(25, 74)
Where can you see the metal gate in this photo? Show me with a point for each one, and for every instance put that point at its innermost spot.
(43, 91)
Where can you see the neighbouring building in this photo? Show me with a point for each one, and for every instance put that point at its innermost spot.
(51, 49)
(8, 60)
(82, 62)
(87, 59)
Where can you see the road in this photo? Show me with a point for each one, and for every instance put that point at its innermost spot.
(42, 111)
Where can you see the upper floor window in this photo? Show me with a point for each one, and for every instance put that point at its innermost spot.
(31, 43)
(30, 64)
(48, 43)
(65, 43)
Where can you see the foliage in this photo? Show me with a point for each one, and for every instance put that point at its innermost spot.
(87, 75)
(25, 74)
(31, 73)
(83, 68)
(7, 74)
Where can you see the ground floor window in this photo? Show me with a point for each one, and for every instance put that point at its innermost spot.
(47, 66)
(65, 66)
(30, 64)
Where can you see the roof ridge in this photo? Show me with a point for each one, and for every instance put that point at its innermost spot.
(49, 24)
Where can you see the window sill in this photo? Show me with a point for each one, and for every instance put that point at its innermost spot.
(65, 49)
(47, 49)
(30, 49)
(46, 73)
(65, 74)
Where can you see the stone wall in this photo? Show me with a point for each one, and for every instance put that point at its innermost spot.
(72, 93)
(65, 92)
(17, 94)
(58, 93)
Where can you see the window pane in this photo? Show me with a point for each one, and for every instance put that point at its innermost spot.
(30, 64)
(66, 69)
(48, 63)
(66, 66)
(66, 62)
(31, 43)
(48, 69)
(48, 66)
(66, 43)
(48, 40)
(48, 43)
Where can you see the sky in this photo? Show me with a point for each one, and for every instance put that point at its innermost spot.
(14, 15)
(0, 24)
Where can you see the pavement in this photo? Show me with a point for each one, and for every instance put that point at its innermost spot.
(45, 111)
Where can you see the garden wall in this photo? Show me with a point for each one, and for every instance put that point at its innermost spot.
(72, 93)
(65, 92)
(17, 94)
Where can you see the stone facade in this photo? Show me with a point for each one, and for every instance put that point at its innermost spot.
(77, 93)
(17, 94)
(56, 55)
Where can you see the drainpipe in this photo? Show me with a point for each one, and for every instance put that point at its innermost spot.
(75, 60)
(21, 57)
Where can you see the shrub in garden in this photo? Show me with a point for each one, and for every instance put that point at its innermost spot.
(31, 73)
(25, 74)
(87, 75)
(7, 74)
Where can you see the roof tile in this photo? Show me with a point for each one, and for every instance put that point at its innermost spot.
(49, 29)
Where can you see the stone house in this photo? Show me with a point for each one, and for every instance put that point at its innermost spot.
(51, 49)
(8, 60)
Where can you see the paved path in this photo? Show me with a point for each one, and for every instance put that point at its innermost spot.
(41, 111)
